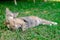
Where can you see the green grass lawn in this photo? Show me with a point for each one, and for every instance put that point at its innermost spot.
(49, 11)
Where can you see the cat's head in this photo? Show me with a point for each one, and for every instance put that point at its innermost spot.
(10, 14)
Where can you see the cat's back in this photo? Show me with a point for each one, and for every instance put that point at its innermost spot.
(31, 20)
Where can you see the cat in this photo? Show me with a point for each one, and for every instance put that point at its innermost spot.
(24, 22)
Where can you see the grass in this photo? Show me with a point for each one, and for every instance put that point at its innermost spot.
(48, 10)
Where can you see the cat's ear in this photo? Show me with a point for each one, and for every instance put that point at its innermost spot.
(16, 14)
(8, 11)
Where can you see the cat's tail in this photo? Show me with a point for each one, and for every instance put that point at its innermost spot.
(46, 22)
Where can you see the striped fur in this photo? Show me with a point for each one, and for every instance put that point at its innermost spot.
(24, 22)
